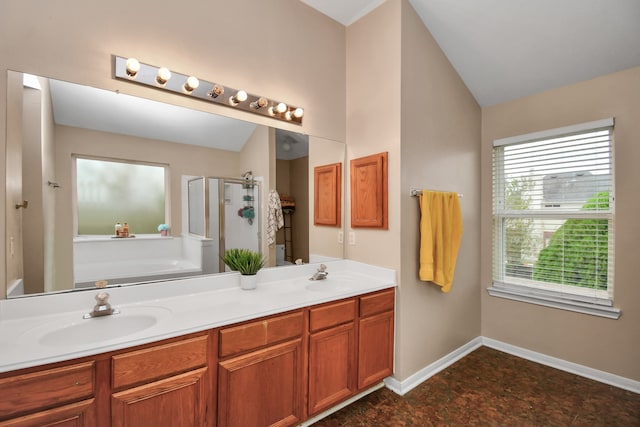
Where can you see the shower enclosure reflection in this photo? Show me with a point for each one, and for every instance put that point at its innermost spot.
(234, 216)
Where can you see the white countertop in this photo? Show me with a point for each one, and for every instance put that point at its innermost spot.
(180, 307)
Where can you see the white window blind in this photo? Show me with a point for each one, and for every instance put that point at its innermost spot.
(553, 213)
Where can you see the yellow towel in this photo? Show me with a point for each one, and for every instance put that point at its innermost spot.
(440, 235)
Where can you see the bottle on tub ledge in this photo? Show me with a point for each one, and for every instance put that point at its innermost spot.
(125, 230)
(118, 229)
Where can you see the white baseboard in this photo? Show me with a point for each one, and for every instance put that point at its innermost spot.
(402, 387)
(563, 365)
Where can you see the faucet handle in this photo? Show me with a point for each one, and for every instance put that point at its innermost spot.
(322, 268)
(102, 297)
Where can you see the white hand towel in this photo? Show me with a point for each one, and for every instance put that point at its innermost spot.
(275, 219)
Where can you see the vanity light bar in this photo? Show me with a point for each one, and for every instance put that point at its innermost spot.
(130, 69)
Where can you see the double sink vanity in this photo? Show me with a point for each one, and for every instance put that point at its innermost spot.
(199, 351)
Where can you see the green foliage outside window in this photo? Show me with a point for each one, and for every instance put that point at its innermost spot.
(577, 253)
(518, 241)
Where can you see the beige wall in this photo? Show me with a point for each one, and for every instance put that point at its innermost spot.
(272, 48)
(373, 122)
(12, 161)
(49, 193)
(440, 151)
(405, 98)
(32, 190)
(609, 345)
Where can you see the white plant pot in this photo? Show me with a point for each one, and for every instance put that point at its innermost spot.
(248, 282)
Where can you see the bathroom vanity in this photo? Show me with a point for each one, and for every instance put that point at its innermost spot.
(201, 351)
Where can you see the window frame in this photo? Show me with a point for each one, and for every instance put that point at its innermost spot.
(562, 296)
(74, 180)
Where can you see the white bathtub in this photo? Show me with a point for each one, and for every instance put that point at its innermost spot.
(130, 271)
(139, 259)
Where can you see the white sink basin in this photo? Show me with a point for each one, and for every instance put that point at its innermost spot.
(81, 331)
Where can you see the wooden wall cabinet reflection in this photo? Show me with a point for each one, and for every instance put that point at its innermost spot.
(327, 200)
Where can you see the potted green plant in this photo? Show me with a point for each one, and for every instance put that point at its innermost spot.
(247, 263)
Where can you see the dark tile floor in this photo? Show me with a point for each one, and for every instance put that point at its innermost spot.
(492, 388)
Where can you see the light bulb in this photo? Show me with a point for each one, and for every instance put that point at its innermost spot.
(298, 112)
(259, 103)
(163, 75)
(191, 84)
(239, 97)
(288, 115)
(133, 66)
(278, 109)
(216, 91)
(281, 107)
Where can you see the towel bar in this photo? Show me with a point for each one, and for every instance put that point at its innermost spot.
(414, 192)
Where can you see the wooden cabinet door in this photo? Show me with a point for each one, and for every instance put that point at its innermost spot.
(375, 349)
(331, 367)
(262, 388)
(178, 401)
(369, 192)
(79, 414)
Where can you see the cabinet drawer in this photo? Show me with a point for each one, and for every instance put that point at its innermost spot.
(48, 388)
(377, 303)
(332, 315)
(158, 362)
(257, 334)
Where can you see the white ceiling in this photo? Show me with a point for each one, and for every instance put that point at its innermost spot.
(507, 49)
(91, 108)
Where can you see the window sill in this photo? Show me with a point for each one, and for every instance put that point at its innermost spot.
(529, 296)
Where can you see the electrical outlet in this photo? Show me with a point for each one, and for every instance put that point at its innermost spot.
(340, 236)
(352, 237)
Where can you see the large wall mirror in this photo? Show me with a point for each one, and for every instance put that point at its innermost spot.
(77, 153)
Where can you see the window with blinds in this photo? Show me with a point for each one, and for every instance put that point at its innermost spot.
(553, 213)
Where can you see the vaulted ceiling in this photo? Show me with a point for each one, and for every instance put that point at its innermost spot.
(507, 49)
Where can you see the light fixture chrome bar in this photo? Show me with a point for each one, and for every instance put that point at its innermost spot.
(183, 84)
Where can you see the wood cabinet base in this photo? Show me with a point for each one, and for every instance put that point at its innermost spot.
(179, 400)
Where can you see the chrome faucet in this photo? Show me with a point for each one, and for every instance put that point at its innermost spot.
(321, 274)
(102, 307)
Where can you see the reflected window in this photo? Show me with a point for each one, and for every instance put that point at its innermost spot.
(109, 192)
